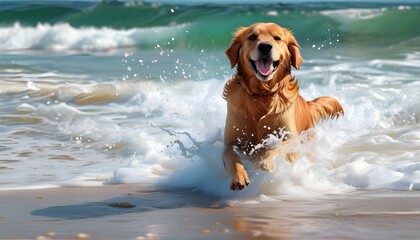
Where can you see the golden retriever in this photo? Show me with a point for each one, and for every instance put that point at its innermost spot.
(263, 97)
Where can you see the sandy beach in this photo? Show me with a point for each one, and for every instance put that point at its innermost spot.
(132, 211)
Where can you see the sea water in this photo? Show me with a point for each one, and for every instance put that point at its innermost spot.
(97, 93)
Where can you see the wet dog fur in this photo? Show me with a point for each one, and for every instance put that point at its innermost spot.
(263, 96)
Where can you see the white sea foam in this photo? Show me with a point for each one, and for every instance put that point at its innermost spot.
(375, 146)
(354, 13)
(170, 134)
(64, 37)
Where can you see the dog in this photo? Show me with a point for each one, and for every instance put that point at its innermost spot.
(263, 96)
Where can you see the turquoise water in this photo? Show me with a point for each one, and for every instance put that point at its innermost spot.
(210, 25)
(128, 92)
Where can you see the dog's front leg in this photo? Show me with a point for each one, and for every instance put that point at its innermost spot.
(235, 169)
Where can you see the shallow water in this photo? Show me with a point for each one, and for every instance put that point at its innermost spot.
(94, 103)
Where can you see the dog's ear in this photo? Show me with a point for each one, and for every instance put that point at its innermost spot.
(235, 47)
(296, 58)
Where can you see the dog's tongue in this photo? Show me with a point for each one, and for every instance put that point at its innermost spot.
(264, 66)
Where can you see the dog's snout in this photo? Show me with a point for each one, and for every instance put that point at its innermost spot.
(265, 47)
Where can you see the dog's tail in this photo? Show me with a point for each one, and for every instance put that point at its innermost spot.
(325, 107)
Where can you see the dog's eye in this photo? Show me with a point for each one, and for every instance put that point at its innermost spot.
(253, 37)
(277, 38)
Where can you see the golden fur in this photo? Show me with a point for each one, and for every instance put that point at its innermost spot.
(261, 101)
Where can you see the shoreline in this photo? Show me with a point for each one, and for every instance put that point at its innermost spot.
(130, 211)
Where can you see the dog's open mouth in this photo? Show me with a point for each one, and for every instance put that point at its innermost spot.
(264, 67)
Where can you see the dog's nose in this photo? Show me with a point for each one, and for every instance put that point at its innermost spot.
(265, 47)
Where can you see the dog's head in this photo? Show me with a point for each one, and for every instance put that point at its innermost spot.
(262, 48)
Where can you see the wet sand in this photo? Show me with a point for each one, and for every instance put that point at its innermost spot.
(138, 212)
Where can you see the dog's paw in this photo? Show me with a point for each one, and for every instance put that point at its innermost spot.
(291, 157)
(268, 165)
(240, 181)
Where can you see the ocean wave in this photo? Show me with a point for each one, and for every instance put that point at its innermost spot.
(110, 25)
(354, 13)
(64, 37)
(171, 135)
